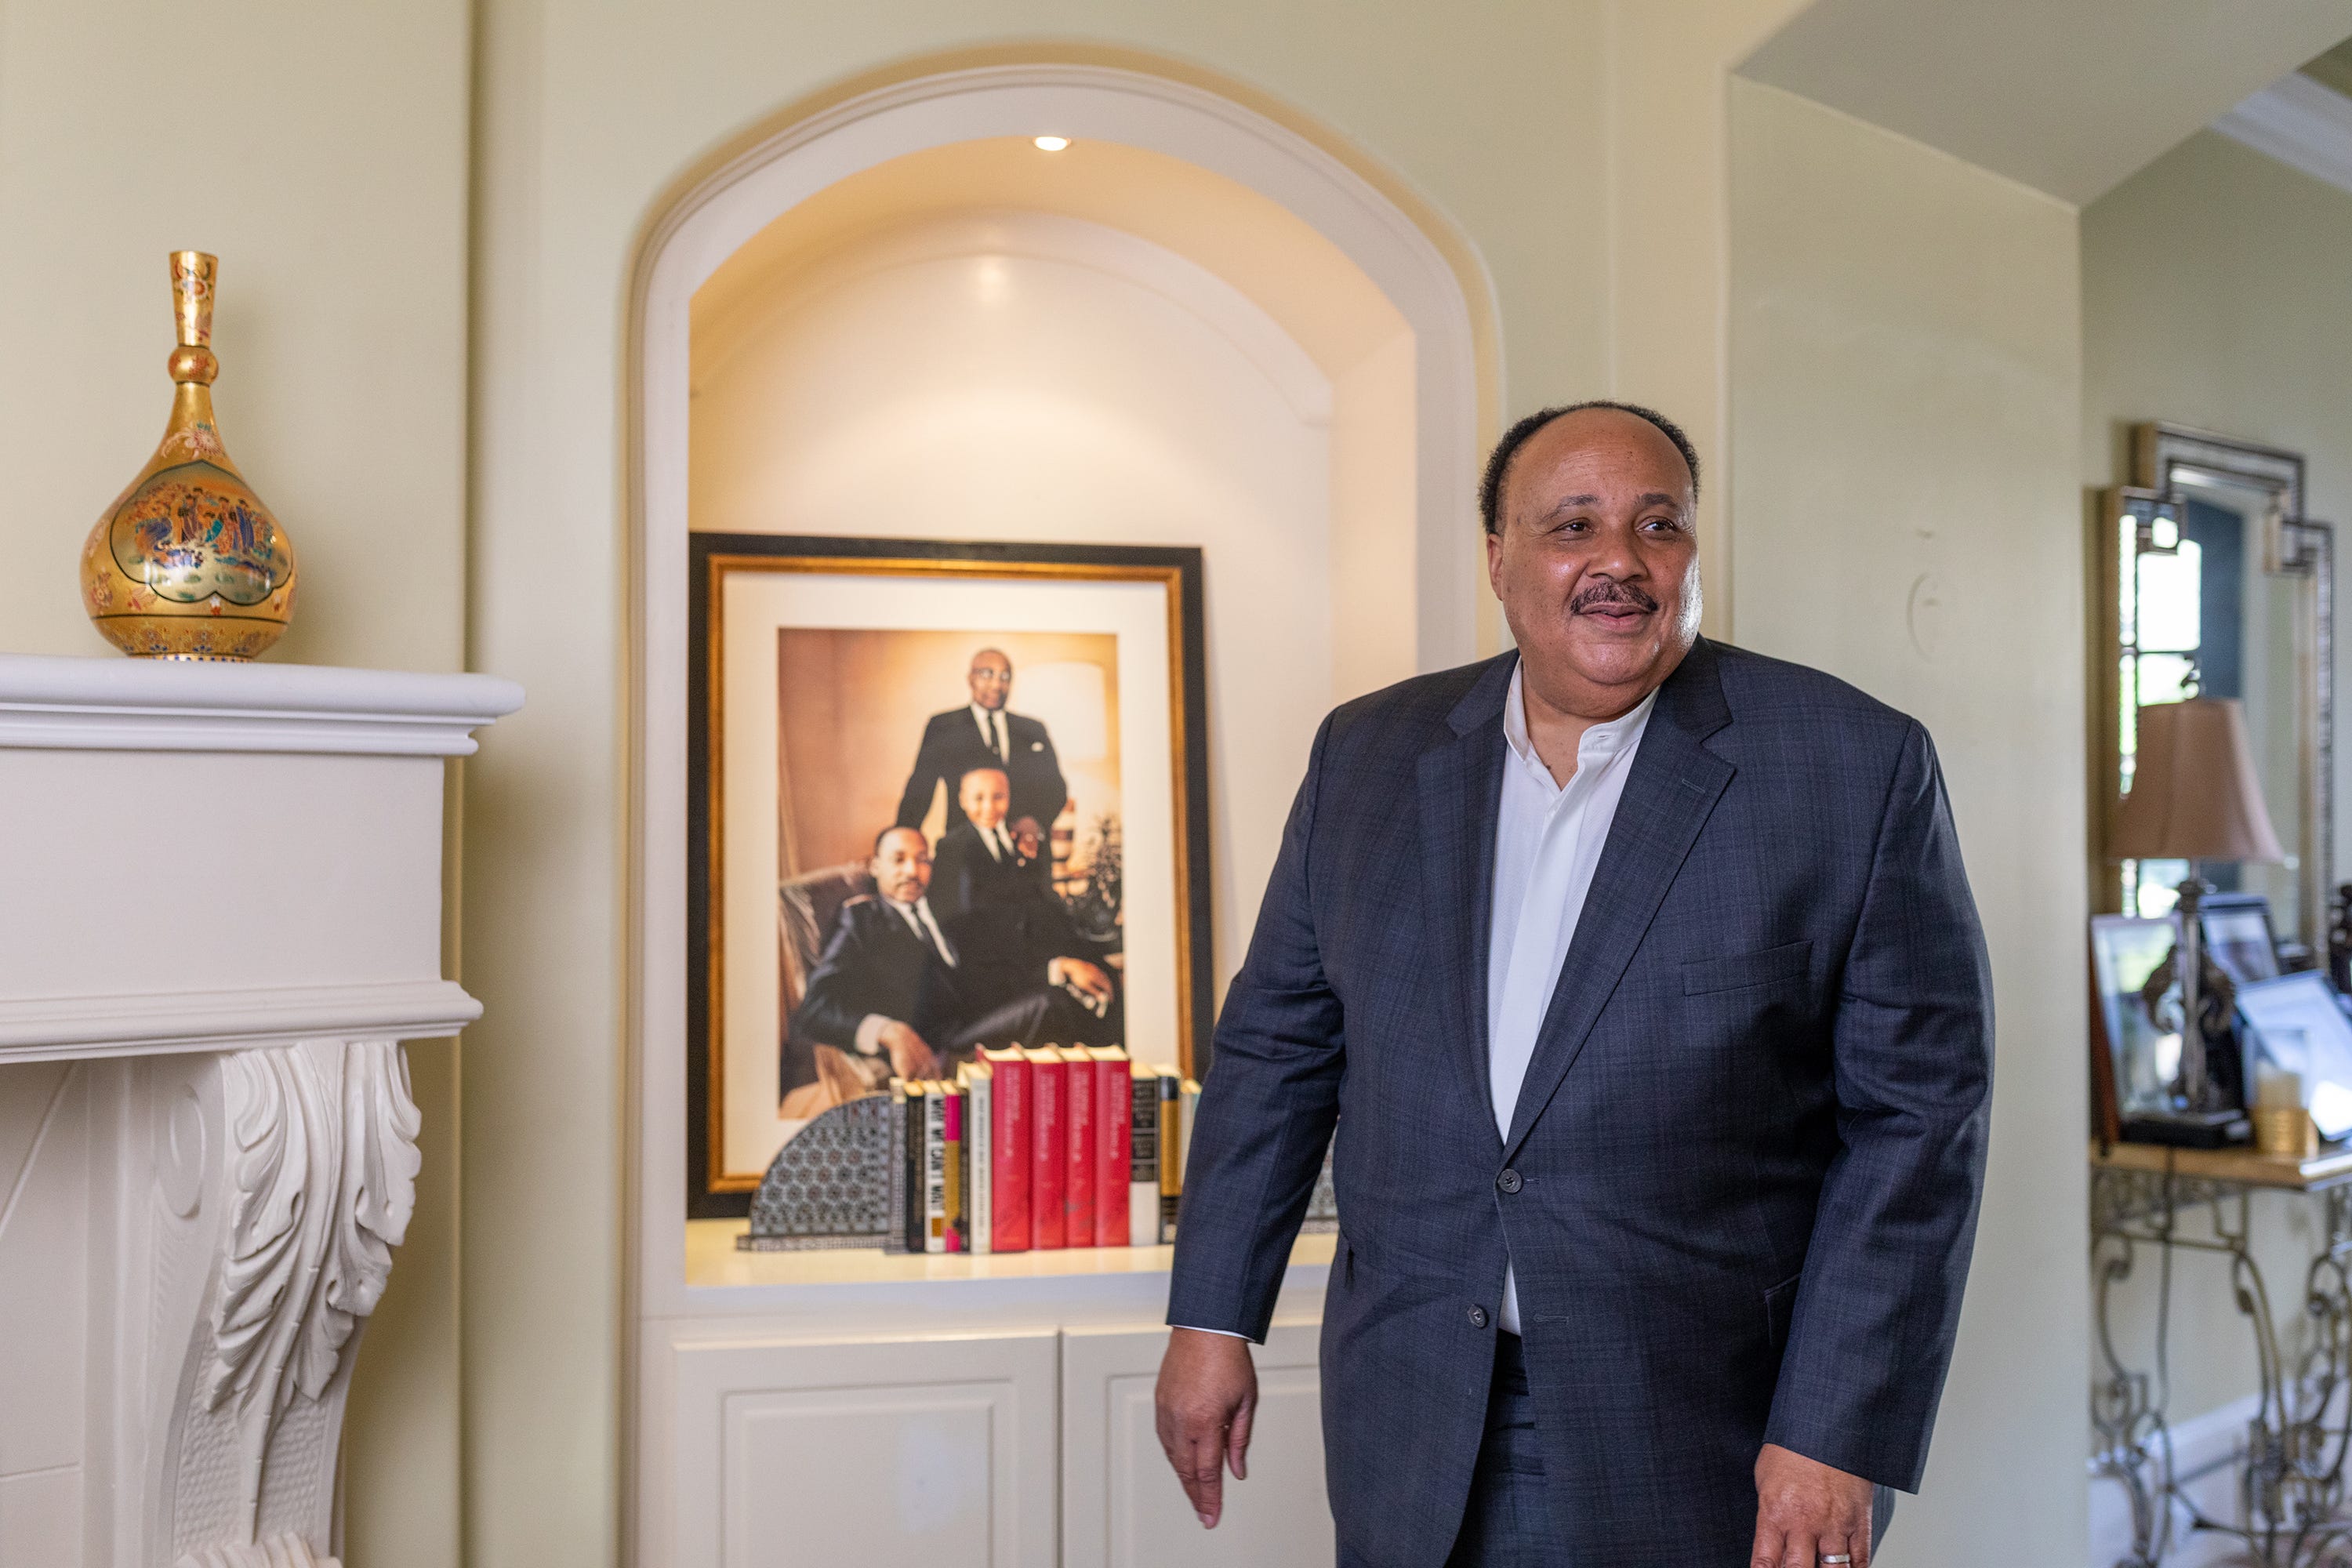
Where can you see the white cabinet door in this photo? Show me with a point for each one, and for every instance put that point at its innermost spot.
(1121, 1507)
(929, 1453)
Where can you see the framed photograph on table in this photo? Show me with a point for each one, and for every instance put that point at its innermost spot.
(2237, 934)
(942, 796)
(2135, 1049)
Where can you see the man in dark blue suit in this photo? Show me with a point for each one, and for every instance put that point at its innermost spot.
(1656, 1032)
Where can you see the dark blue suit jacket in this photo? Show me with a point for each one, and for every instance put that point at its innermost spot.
(1745, 1164)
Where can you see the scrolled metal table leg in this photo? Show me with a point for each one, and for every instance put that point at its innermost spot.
(2127, 1410)
(2291, 1481)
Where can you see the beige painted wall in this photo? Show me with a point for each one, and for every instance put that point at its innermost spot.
(335, 199)
(2217, 291)
(1905, 379)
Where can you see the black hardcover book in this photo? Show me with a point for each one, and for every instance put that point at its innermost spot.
(913, 1168)
(1143, 1145)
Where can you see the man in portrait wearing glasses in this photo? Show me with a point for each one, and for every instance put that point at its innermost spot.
(1655, 1023)
(985, 733)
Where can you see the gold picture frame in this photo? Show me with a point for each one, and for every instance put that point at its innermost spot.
(811, 660)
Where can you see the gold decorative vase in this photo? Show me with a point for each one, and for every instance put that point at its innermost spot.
(187, 563)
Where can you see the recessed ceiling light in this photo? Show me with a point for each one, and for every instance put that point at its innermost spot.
(1052, 143)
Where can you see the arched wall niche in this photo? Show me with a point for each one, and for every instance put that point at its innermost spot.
(1338, 314)
(769, 425)
(1427, 272)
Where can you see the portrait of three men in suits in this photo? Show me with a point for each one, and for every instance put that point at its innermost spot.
(963, 942)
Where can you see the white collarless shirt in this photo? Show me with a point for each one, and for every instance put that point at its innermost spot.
(1547, 840)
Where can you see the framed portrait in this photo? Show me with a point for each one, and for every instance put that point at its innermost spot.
(941, 798)
(2137, 1052)
(2237, 928)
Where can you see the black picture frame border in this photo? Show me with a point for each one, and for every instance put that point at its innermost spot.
(703, 1201)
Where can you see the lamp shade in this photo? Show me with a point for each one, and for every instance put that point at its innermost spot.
(2194, 793)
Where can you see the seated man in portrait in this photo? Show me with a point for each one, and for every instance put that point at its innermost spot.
(903, 992)
(985, 861)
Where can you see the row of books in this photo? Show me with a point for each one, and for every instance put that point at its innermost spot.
(1029, 1149)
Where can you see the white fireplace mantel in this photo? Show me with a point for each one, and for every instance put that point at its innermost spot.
(220, 915)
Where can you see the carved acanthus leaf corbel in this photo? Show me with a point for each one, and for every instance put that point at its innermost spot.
(321, 1168)
(325, 1168)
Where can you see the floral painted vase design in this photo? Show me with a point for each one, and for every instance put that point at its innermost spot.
(187, 563)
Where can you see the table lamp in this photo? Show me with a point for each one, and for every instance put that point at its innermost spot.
(2194, 797)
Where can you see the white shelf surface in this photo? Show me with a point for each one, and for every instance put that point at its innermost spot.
(713, 1259)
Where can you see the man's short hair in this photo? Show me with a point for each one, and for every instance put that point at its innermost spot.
(1498, 463)
(876, 853)
(996, 768)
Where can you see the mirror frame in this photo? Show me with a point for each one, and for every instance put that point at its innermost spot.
(2164, 459)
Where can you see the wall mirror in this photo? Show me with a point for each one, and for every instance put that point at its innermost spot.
(2213, 582)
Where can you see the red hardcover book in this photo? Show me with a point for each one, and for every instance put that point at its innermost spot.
(1079, 1101)
(1012, 1148)
(1048, 1148)
(1114, 1147)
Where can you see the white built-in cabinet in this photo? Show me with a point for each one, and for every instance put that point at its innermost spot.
(1019, 1448)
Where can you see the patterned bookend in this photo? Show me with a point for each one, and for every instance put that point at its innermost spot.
(830, 1186)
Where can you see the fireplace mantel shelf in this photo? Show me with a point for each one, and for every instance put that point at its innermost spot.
(148, 705)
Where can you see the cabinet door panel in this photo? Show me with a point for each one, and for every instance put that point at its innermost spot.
(933, 1453)
(1121, 1507)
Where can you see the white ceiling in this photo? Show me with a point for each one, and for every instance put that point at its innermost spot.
(2070, 96)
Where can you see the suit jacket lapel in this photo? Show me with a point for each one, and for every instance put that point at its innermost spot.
(1461, 785)
(1673, 787)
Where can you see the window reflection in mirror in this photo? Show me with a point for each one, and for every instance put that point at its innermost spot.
(2198, 615)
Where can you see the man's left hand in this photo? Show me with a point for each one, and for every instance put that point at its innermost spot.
(1806, 1511)
(1084, 976)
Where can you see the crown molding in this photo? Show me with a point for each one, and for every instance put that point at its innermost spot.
(2301, 123)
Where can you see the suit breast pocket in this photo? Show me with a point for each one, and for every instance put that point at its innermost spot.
(1783, 967)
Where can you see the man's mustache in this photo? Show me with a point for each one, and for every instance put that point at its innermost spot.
(1608, 593)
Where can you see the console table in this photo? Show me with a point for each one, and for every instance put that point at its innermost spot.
(220, 915)
(2292, 1480)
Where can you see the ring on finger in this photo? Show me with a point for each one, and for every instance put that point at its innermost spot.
(1837, 1559)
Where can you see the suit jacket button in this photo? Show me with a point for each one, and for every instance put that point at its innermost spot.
(1509, 1182)
(1477, 1317)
